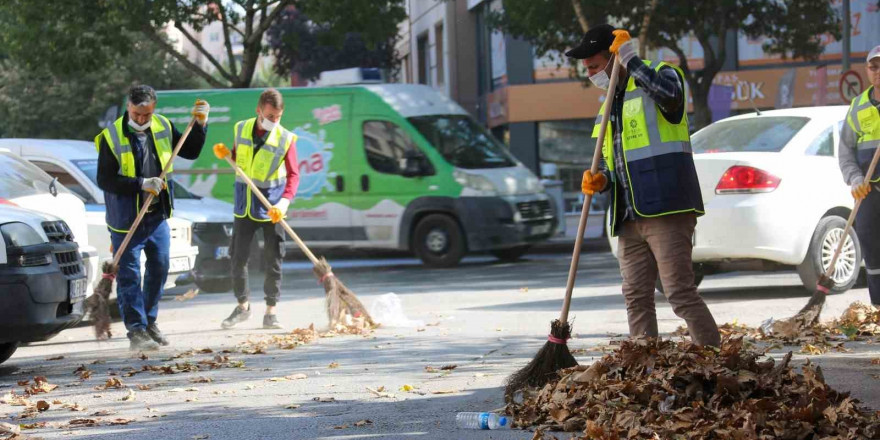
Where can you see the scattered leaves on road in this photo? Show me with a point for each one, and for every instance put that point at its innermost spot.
(41, 385)
(83, 372)
(113, 382)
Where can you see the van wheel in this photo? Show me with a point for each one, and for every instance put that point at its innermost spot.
(6, 350)
(511, 254)
(825, 239)
(438, 241)
(699, 274)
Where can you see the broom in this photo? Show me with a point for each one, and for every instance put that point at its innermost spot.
(98, 305)
(809, 314)
(341, 301)
(554, 355)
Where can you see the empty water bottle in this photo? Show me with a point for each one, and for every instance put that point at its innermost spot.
(481, 420)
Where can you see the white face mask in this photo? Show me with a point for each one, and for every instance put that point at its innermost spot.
(138, 127)
(601, 79)
(266, 124)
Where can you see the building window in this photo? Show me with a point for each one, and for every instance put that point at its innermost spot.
(424, 68)
(438, 47)
(385, 144)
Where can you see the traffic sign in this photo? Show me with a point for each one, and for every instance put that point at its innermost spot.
(850, 85)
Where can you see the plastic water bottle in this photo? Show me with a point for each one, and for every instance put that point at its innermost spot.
(481, 420)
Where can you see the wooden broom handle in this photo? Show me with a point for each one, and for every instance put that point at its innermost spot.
(256, 191)
(137, 221)
(585, 210)
(852, 216)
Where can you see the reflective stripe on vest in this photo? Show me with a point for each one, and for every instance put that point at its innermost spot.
(646, 132)
(264, 168)
(120, 147)
(864, 119)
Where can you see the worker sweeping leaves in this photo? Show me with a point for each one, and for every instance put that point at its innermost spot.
(648, 166)
(132, 154)
(266, 152)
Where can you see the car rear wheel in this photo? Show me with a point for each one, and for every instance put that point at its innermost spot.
(438, 241)
(511, 254)
(825, 240)
(6, 350)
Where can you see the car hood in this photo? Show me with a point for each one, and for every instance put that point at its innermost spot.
(34, 219)
(204, 210)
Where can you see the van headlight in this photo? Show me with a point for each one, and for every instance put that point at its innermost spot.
(533, 185)
(20, 234)
(475, 182)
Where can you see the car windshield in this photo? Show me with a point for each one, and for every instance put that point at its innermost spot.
(463, 142)
(90, 168)
(20, 178)
(758, 134)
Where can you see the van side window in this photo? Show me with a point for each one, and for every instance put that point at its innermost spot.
(823, 145)
(65, 179)
(385, 144)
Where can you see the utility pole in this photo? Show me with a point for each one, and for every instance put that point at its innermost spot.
(846, 35)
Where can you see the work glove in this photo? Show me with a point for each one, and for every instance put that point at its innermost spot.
(200, 111)
(153, 185)
(623, 46)
(277, 212)
(593, 183)
(221, 151)
(860, 189)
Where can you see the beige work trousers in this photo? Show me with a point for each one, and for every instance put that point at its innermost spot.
(663, 245)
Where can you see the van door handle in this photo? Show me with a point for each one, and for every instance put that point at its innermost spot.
(340, 184)
(365, 183)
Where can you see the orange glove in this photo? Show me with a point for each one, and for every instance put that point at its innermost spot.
(275, 214)
(221, 151)
(620, 38)
(200, 111)
(593, 183)
(861, 190)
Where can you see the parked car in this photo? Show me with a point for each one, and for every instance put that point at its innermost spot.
(75, 165)
(42, 278)
(23, 184)
(774, 195)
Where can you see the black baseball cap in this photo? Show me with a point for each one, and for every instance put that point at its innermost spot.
(595, 40)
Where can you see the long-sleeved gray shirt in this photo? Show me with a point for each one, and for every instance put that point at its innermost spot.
(846, 156)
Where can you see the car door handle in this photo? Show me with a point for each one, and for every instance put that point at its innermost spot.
(365, 183)
(340, 184)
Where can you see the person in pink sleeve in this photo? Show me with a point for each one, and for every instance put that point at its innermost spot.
(266, 152)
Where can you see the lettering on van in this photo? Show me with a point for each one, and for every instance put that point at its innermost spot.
(313, 152)
(327, 115)
(309, 214)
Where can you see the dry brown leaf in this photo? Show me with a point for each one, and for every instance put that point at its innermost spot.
(341, 427)
(449, 367)
(103, 413)
(40, 385)
(361, 423)
(324, 399)
(83, 422)
(55, 358)
(192, 293)
(444, 392)
(128, 396)
(113, 382)
(116, 422)
(145, 387)
(42, 405)
(35, 425)
(201, 379)
(200, 437)
(293, 406)
(297, 376)
(8, 428)
(333, 365)
(431, 369)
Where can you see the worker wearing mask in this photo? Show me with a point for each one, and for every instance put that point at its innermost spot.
(266, 152)
(132, 153)
(859, 140)
(648, 167)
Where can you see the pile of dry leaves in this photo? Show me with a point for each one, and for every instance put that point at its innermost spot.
(651, 389)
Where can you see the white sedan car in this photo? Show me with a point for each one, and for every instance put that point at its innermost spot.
(774, 195)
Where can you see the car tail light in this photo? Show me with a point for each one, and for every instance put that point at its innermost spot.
(740, 179)
(6, 202)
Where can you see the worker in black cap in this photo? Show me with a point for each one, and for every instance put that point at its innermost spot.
(648, 166)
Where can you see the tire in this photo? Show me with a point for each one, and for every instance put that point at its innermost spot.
(438, 241)
(699, 274)
(6, 350)
(215, 285)
(511, 254)
(822, 246)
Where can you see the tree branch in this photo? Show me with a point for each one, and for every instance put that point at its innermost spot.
(643, 35)
(267, 21)
(200, 48)
(233, 69)
(225, 22)
(155, 37)
(579, 13)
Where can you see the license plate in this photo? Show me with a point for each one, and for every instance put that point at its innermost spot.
(180, 264)
(221, 252)
(541, 229)
(78, 289)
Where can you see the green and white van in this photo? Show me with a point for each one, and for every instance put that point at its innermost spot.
(394, 166)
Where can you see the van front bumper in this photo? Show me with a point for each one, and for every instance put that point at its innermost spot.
(503, 222)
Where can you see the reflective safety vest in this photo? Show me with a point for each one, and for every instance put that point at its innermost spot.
(864, 119)
(265, 168)
(658, 156)
(122, 209)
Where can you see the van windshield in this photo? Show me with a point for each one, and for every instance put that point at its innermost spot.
(90, 168)
(20, 178)
(463, 142)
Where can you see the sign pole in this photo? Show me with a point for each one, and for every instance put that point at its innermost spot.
(847, 31)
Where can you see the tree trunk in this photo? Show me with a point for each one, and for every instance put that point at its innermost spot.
(702, 113)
